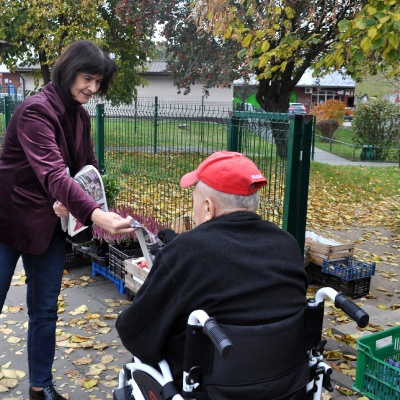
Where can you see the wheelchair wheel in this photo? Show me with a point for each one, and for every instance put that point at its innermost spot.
(149, 387)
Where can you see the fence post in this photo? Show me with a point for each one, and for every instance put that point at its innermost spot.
(100, 137)
(314, 130)
(233, 133)
(7, 111)
(297, 177)
(155, 124)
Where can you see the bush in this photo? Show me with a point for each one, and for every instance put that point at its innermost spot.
(377, 123)
(327, 128)
(330, 110)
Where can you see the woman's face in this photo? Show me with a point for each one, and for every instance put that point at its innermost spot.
(85, 86)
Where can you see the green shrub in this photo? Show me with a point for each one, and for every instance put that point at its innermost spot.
(327, 127)
(377, 123)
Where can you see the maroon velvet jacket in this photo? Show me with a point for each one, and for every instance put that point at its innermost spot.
(33, 170)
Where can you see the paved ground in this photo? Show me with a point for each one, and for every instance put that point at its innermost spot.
(329, 158)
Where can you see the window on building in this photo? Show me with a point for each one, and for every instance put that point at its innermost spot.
(322, 96)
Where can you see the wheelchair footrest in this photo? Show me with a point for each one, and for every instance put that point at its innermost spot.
(124, 393)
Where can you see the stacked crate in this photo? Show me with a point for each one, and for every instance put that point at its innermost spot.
(332, 264)
(327, 249)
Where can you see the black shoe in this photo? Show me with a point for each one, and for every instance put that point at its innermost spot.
(48, 393)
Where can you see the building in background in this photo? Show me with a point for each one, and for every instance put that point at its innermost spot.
(310, 90)
(160, 84)
(10, 83)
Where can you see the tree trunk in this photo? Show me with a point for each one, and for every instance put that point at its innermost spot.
(44, 67)
(274, 96)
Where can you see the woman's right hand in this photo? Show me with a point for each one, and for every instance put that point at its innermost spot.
(112, 222)
(60, 210)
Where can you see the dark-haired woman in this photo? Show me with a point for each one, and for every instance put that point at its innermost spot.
(48, 134)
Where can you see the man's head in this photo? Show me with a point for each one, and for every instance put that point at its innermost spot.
(223, 183)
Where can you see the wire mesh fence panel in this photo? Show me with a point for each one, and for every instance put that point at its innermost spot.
(258, 143)
(150, 145)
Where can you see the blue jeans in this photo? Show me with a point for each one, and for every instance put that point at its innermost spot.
(43, 278)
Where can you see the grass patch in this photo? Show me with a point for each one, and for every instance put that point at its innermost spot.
(362, 182)
(344, 134)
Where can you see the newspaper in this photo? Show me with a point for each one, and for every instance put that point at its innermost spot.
(146, 240)
(90, 180)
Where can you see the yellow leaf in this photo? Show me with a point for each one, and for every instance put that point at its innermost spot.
(344, 390)
(83, 361)
(92, 316)
(265, 46)
(96, 369)
(381, 289)
(13, 339)
(109, 384)
(79, 310)
(382, 307)
(365, 44)
(89, 383)
(13, 373)
(372, 33)
(247, 40)
(100, 346)
(107, 359)
(110, 316)
(333, 355)
(79, 339)
(14, 309)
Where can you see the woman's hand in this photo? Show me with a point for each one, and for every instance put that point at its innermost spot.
(60, 210)
(112, 222)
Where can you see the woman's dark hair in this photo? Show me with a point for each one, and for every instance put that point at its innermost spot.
(83, 56)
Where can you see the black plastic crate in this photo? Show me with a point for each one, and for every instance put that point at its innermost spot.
(117, 256)
(103, 261)
(354, 289)
(72, 257)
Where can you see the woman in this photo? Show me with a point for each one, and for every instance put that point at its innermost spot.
(48, 133)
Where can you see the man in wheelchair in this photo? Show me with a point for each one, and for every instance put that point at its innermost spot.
(245, 272)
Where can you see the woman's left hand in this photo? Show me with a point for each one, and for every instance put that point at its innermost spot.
(60, 210)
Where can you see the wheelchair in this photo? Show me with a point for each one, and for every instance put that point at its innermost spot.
(278, 361)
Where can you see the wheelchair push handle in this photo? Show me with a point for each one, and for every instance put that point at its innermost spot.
(341, 301)
(218, 338)
(352, 310)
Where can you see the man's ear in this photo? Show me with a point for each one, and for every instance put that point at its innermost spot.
(210, 210)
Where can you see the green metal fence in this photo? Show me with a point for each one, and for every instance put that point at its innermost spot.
(352, 152)
(149, 145)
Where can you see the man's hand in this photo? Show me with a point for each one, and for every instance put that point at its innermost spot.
(167, 235)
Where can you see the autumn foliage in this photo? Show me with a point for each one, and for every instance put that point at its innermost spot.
(330, 110)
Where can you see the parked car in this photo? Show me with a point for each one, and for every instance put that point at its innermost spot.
(348, 113)
(297, 108)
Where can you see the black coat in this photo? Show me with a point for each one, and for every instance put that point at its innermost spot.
(238, 268)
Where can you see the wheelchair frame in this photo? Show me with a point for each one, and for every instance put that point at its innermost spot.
(319, 377)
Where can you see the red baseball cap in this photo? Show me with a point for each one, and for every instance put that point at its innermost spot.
(228, 172)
